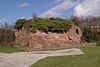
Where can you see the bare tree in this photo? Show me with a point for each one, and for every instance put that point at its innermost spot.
(6, 34)
(34, 15)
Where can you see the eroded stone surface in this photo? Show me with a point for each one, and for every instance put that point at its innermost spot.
(41, 39)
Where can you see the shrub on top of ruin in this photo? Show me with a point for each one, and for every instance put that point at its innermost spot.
(57, 25)
(19, 23)
(51, 24)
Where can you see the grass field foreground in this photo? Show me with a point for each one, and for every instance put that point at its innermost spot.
(5, 49)
(91, 58)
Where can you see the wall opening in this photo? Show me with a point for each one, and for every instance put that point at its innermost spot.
(77, 31)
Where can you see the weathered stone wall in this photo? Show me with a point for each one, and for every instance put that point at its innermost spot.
(41, 39)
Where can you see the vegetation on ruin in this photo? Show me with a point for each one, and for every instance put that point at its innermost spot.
(45, 24)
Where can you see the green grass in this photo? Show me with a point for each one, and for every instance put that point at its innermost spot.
(5, 49)
(91, 58)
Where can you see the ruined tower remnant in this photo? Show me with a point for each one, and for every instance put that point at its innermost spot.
(41, 39)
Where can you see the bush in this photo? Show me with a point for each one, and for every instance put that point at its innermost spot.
(98, 43)
(91, 35)
(57, 25)
(51, 24)
(19, 24)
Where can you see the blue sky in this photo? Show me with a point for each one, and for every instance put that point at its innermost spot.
(11, 10)
(14, 9)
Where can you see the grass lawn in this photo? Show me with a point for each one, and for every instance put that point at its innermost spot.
(91, 58)
(5, 49)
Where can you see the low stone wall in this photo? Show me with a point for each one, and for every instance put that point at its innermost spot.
(42, 40)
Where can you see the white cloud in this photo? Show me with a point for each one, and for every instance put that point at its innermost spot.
(88, 8)
(59, 8)
(3, 21)
(24, 5)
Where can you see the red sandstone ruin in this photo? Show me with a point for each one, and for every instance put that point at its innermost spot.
(41, 39)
